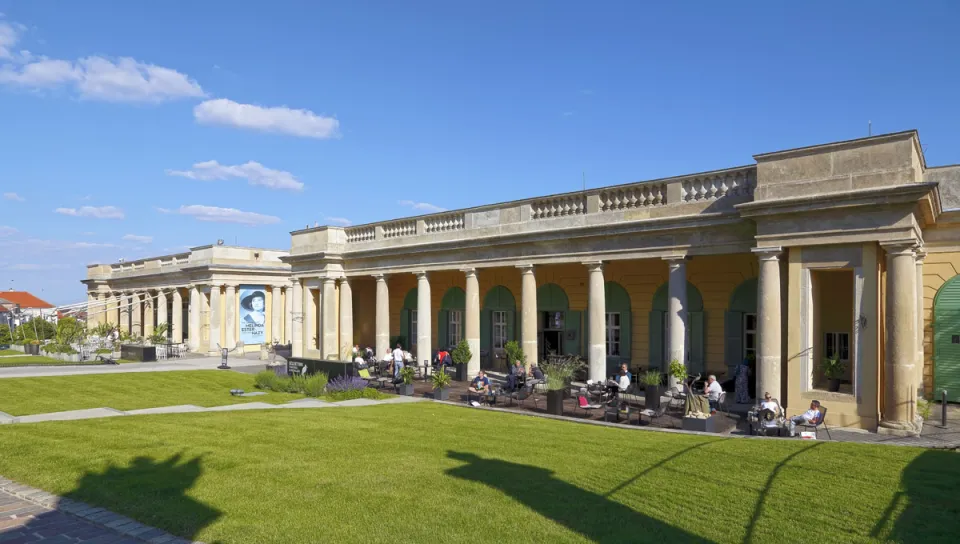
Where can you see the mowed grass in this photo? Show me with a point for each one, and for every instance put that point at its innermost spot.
(128, 391)
(10, 352)
(428, 472)
(26, 360)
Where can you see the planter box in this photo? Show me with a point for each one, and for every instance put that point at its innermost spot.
(461, 373)
(708, 425)
(31, 349)
(405, 389)
(441, 394)
(651, 396)
(555, 402)
(295, 365)
(143, 354)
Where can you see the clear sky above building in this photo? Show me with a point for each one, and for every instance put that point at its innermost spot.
(132, 129)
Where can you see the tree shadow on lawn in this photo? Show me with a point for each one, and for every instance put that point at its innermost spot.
(932, 512)
(589, 514)
(153, 492)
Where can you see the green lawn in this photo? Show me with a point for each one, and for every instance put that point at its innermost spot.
(434, 473)
(10, 352)
(128, 391)
(30, 360)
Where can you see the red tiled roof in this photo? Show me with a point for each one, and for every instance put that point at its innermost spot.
(25, 299)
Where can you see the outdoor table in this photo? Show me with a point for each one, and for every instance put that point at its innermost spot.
(756, 425)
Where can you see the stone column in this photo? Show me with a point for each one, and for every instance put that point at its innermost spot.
(769, 346)
(330, 347)
(296, 318)
(528, 314)
(230, 317)
(113, 309)
(311, 339)
(921, 254)
(346, 316)
(148, 303)
(287, 314)
(162, 309)
(472, 322)
(177, 309)
(93, 309)
(383, 316)
(424, 322)
(136, 314)
(900, 377)
(276, 315)
(597, 337)
(193, 328)
(677, 313)
(124, 312)
(216, 317)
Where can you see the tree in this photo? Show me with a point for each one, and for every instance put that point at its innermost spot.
(36, 329)
(461, 354)
(6, 337)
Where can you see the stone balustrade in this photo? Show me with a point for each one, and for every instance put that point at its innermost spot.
(444, 223)
(559, 206)
(712, 187)
(361, 234)
(396, 229)
(636, 196)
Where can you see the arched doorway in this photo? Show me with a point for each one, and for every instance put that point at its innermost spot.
(946, 339)
(696, 330)
(408, 323)
(558, 327)
(740, 326)
(450, 325)
(619, 326)
(497, 326)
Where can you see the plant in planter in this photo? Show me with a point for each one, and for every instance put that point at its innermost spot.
(441, 384)
(652, 382)
(559, 373)
(924, 411)
(159, 334)
(833, 369)
(406, 388)
(514, 353)
(461, 356)
(677, 371)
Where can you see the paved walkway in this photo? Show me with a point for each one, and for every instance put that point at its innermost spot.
(192, 362)
(98, 413)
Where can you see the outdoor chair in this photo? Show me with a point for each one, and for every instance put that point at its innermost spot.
(107, 360)
(615, 409)
(526, 392)
(376, 382)
(722, 404)
(653, 414)
(585, 405)
(816, 426)
(677, 397)
(161, 353)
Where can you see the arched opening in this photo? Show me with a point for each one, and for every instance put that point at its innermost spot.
(946, 339)
(696, 330)
(740, 329)
(408, 323)
(498, 320)
(619, 326)
(558, 327)
(450, 325)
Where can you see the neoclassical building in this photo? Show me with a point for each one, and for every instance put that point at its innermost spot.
(848, 249)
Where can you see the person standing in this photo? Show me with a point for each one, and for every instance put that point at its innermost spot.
(397, 361)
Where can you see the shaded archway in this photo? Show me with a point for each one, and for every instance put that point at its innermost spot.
(618, 327)
(740, 326)
(696, 329)
(946, 339)
(498, 320)
(450, 325)
(558, 327)
(408, 323)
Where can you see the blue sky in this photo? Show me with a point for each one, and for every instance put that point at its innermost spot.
(132, 129)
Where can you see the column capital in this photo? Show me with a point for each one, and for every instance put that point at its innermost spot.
(469, 272)
(921, 254)
(344, 280)
(380, 277)
(676, 258)
(899, 247)
(594, 265)
(422, 275)
(767, 253)
(525, 268)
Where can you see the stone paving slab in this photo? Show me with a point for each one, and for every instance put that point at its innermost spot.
(402, 399)
(358, 402)
(6, 418)
(245, 406)
(178, 409)
(91, 413)
(29, 515)
(308, 403)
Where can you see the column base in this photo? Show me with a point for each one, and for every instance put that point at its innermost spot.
(897, 428)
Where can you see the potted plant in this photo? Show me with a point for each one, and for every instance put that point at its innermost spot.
(514, 353)
(677, 371)
(461, 356)
(559, 374)
(32, 348)
(653, 389)
(159, 335)
(924, 410)
(833, 369)
(406, 388)
(441, 384)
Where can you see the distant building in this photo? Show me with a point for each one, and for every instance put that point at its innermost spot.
(20, 306)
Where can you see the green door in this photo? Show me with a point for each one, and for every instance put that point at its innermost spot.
(946, 340)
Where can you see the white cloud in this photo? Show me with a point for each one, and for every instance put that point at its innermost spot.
(226, 215)
(341, 221)
(137, 238)
(7, 231)
(95, 77)
(254, 172)
(99, 212)
(283, 120)
(13, 196)
(163, 210)
(422, 206)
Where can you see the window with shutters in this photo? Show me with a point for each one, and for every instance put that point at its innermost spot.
(499, 329)
(613, 334)
(454, 327)
(749, 335)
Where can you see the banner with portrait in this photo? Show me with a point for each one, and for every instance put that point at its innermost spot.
(253, 314)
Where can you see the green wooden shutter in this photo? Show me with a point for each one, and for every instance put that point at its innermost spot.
(946, 328)
(571, 334)
(626, 337)
(697, 340)
(656, 340)
(404, 339)
(512, 326)
(486, 338)
(732, 340)
(443, 323)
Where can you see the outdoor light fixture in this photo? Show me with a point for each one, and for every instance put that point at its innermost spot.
(236, 392)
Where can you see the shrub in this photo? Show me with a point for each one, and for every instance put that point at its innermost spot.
(677, 370)
(315, 384)
(560, 371)
(346, 383)
(5, 336)
(365, 393)
(406, 373)
(265, 380)
(515, 353)
(293, 384)
(651, 377)
(461, 354)
(440, 379)
(101, 351)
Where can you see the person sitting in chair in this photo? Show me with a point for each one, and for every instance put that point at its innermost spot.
(769, 412)
(517, 374)
(712, 391)
(480, 385)
(623, 367)
(810, 417)
(535, 372)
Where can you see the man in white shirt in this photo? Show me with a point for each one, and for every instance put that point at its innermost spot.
(811, 417)
(397, 361)
(712, 391)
